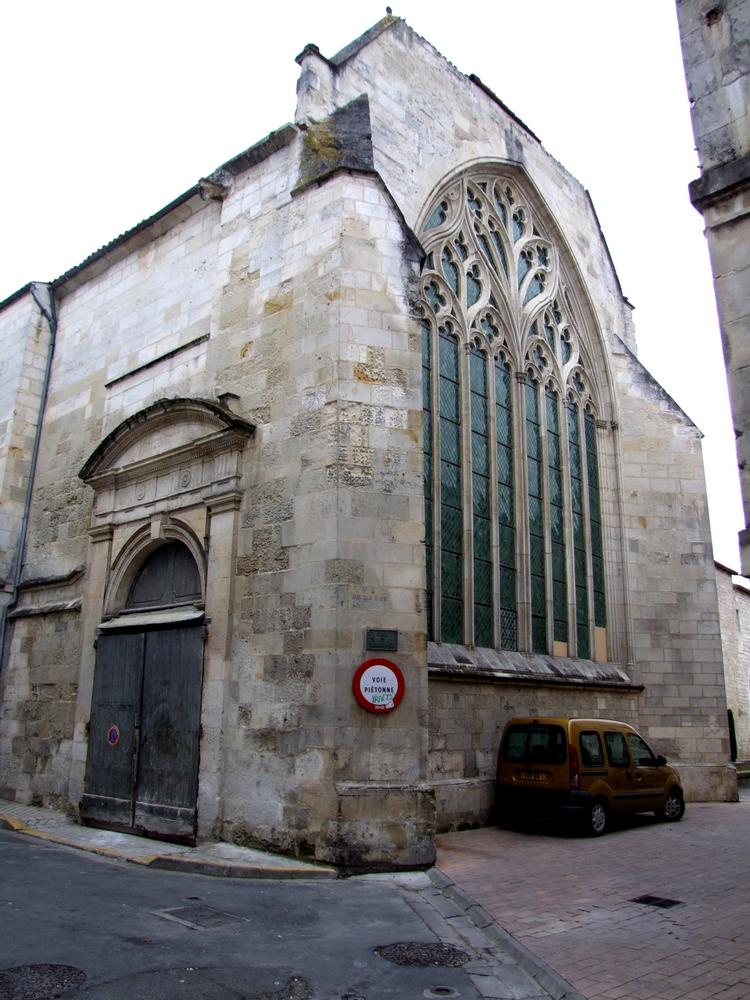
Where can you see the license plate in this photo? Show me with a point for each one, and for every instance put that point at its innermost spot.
(531, 776)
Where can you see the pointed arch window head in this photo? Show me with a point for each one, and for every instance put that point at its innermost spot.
(513, 512)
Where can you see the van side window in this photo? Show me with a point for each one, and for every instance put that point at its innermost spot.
(591, 750)
(617, 749)
(640, 751)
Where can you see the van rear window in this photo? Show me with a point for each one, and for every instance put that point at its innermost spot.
(535, 745)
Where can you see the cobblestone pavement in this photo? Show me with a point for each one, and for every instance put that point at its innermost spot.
(569, 899)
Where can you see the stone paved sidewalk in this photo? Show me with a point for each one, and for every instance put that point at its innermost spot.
(570, 900)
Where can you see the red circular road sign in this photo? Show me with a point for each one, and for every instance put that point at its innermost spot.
(378, 685)
(113, 736)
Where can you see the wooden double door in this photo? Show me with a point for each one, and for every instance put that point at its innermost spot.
(144, 732)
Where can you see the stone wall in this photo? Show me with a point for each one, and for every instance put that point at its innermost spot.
(714, 39)
(734, 614)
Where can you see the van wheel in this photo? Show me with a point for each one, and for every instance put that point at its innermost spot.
(673, 809)
(597, 818)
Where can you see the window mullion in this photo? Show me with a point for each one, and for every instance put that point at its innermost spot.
(567, 500)
(436, 489)
(494, 501)
(547, 530)
(467, 494)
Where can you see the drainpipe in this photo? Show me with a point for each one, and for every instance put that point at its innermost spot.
(49, 311)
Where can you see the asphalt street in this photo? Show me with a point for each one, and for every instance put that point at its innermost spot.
(143, 933)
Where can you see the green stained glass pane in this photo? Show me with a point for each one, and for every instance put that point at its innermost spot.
(536, 556)
(478, 413)
(539, 635)
(536, 287)
(556, 524)
(482, 582)
(553, 451)
(481, 492)
(536, 517)
(560, 627)
(553, 423)
(560, 603)
(507, 588)
(452, 620)
(426, 345)
(590, 428)
(448, 351)
(452, 574)
(507, 542)
(503, 423)
(582, 607)
(593, 475)
(451, 529)
(428, 519)
(584, 649)
(600, 613)
(477, 373)
(533, 441)
(428, 475)
(449, 400)
(449, 442)
(450, 270)
(579, 535)
(508, 630)
(500, 251)
(426, 397)
(482, 538)
(555, 487)
(473, 289)
(483, 626)
(576, 494)
(518, 226)
(535, 477)
(505, 505)
(504, 464)
(450, 484)
(573, 424)
(575, 461)
(480, 461)
(566, 350)
(597, 566)
(438, 216)
(427, 434)
(558, 561)
(532, 403)
(502, 384)
(596, 538)
(538, 595)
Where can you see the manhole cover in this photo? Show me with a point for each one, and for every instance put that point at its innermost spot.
(423, 953)
(39, 982)
(658, 901)
(200, 916)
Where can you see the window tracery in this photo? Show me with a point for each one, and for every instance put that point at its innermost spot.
(514, 537)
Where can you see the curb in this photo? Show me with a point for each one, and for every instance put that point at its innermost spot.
(551, 981)
(174, 863)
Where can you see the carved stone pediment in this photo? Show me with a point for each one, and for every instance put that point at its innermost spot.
(175, 452)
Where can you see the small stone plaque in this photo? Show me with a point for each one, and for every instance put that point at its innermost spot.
(384, 640)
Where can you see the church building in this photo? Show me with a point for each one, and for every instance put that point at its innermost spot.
(313, 479)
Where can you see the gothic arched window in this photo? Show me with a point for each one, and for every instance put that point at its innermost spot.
(515, 556)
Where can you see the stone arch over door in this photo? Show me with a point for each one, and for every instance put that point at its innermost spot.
(168, 484)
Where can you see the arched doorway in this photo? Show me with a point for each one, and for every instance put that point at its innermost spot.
(144, 728)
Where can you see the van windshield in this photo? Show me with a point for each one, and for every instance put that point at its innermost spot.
(535, 744)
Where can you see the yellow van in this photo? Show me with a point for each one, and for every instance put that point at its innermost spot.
(589, 768)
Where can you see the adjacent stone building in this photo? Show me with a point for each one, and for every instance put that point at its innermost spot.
(734, 618)
(373, 382)
(715, 36)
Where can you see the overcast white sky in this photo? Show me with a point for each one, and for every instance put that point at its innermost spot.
(112, 110)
